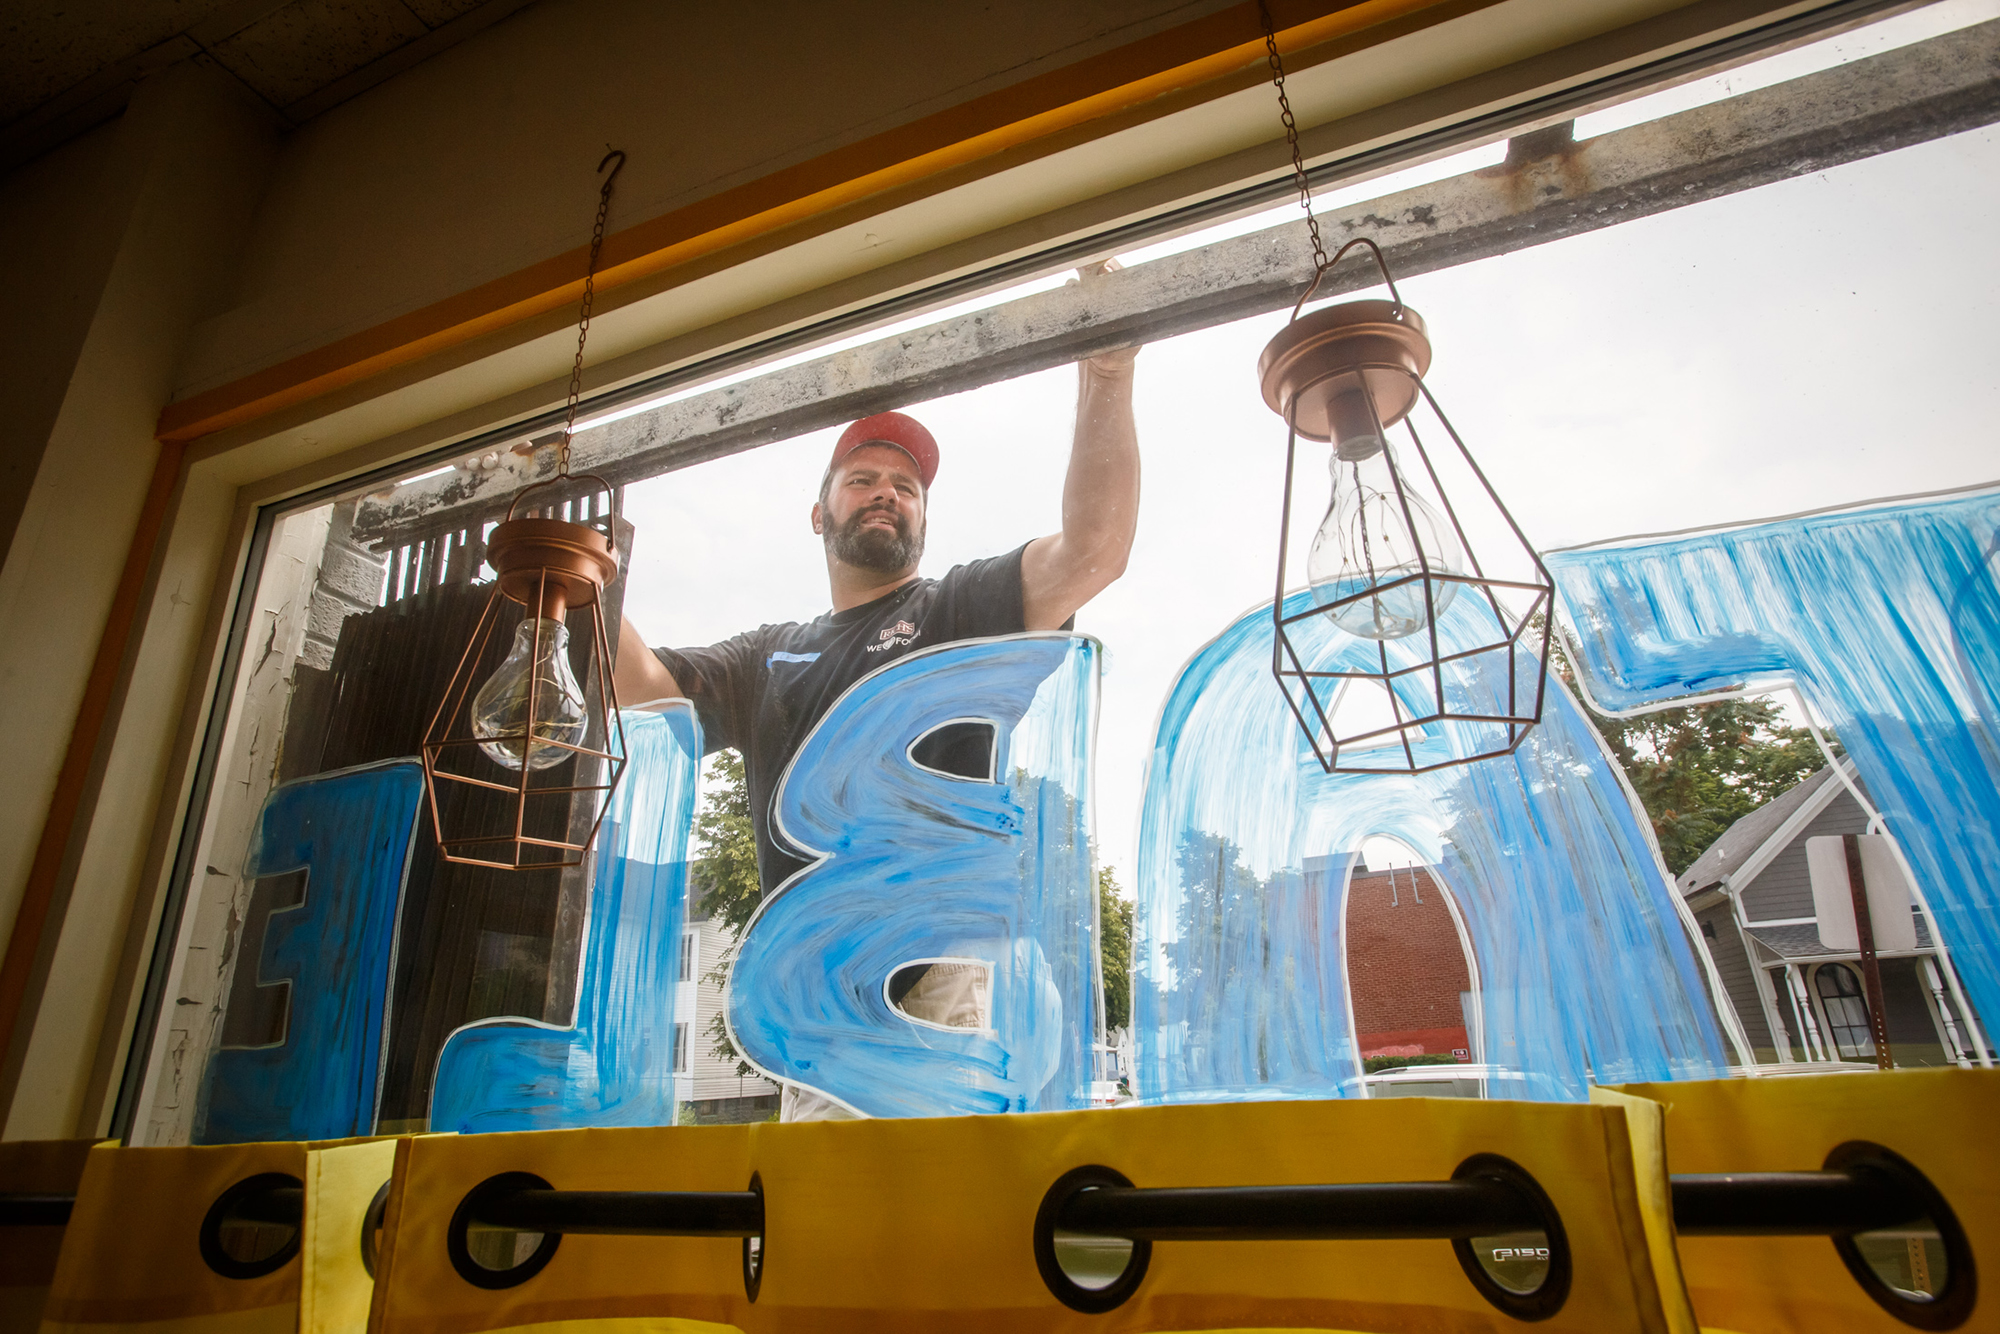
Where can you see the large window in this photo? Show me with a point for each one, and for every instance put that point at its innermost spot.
(1588, 374)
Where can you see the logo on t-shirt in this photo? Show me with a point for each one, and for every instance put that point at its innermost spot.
(894, 636)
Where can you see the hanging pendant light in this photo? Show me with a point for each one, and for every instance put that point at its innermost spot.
(1422, 638)
(507, 758)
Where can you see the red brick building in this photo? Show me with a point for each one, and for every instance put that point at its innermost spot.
(1405, 966)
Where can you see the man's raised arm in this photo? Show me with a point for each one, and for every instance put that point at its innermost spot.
(1100, 507)
(639, 676)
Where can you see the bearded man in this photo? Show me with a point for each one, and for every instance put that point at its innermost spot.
(762, 691)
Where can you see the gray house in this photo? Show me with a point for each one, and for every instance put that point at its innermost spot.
(1800, 1001)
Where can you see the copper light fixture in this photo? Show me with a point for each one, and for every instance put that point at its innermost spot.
(507, 760)
(1415, 647)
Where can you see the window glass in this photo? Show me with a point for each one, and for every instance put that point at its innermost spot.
(1585, 374)
(1846, 1010)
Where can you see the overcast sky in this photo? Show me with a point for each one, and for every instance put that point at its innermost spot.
(1824, 340)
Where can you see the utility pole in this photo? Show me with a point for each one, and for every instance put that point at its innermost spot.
(1871, 967)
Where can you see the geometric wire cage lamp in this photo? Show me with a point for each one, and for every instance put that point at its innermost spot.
(530, 734)
(1432, 645)
(1417, 647)
(508, 760)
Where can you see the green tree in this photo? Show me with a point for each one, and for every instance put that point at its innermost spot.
(1114, 917)
(1700, 769)
(723, 883)
(724, 880)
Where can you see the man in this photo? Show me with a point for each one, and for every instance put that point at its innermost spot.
(762, 691)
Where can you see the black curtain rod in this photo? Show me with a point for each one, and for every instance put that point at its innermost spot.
(1737, 1204)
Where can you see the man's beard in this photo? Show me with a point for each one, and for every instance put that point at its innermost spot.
(875, 549)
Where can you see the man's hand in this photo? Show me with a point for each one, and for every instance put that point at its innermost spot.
(1118, 361)
(639, 676)
(1100, 510)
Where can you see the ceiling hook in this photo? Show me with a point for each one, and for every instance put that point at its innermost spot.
(618, 153)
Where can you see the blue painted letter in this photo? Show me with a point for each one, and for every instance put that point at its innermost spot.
(615, 1066)
(1579, 959)
(986, 880)
(350, 833)
(1887, 619)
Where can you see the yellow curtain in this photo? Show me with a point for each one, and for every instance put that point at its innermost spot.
(337, 1250)
(1943, 1121)
(926, 1225)
(134, 1262)
(28, 1254)
(1645, 1125)
(694, 1281)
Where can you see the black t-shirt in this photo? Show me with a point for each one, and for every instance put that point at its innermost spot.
(762, 691)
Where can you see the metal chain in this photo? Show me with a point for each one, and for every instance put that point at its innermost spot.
(1292, 136)
(589, 296)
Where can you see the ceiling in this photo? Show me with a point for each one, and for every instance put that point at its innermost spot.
(72, 64)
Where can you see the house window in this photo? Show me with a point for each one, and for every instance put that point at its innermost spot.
(687, 956)
(1846, 1011)
(680, 1049)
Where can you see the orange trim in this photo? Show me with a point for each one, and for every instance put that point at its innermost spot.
(31, 919)
(1092, 89)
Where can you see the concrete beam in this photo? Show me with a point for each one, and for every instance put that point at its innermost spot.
(1549, 187)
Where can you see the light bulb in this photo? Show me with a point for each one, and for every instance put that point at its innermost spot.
(500, 716)
(1366, 540)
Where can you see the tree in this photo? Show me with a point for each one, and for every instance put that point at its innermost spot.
(723, 884)
(1700, 769)
(1114, 917)
(724, 880)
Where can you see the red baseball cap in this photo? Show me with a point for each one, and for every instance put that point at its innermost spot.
(891, 428)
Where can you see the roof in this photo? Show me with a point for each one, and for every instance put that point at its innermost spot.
(1802, 942)
(1741, 840)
